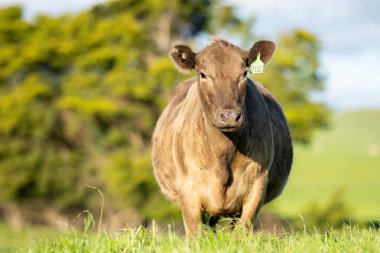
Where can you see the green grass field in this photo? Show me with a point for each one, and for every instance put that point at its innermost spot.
(140, 240)
(345, 157)
(13, 239)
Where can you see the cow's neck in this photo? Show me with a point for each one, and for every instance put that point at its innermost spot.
(223, 145)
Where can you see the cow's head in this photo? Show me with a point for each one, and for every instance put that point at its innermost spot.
(222, 71)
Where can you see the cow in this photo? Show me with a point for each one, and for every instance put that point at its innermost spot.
(222, 146)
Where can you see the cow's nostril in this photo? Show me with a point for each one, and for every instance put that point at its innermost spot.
(224, 117)
(230, 118)
(237, 117)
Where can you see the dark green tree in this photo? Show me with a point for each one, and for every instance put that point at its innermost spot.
(80, 95)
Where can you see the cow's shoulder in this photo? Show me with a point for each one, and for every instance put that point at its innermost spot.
(180, 91)
(264, 91)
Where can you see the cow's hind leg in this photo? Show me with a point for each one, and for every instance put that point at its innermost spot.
(233, 220)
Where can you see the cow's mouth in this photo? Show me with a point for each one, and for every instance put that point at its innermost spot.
(229, 129)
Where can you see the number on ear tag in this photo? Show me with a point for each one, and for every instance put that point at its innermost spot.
(257, 66)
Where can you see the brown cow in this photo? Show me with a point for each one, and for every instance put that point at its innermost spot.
(222, 146)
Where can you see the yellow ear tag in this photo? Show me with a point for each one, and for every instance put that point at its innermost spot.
(257, 66)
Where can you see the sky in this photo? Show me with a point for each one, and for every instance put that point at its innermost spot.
(349, 31)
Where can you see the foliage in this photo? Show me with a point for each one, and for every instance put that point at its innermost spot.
(80, 95)
(332, 215)
(78, 102)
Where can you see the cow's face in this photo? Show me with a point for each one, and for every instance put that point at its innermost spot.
(222, 71)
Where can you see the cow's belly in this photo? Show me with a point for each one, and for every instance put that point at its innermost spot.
(219, 199)
(230, 206)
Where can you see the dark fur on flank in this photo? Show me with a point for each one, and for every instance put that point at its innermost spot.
(222, 146)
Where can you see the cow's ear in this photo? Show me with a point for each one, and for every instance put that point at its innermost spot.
(183, 58)
(266, 49)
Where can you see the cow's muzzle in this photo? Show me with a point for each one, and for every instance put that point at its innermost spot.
(229, 120)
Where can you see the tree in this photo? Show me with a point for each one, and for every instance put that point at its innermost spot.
(80, 95)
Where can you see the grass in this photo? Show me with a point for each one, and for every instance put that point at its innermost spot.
(13, 239)
(345, 157)
(348, 239)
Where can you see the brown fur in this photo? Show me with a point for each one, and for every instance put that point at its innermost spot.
(208, 168)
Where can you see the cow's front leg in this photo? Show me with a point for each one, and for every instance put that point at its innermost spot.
(254, 200)
(191, 214)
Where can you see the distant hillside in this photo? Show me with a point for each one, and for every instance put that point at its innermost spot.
(346, 157)
(355, 132)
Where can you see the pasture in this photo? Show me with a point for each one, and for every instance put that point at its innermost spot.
(350, 239)
(345, 158)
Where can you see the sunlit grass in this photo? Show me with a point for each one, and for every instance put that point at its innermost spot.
(348, 239)
(331, 163)
(12, 239)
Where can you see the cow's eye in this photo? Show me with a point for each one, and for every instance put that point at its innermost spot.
(203, 76)
(245, 73)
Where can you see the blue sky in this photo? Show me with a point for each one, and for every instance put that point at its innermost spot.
(349, 31)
